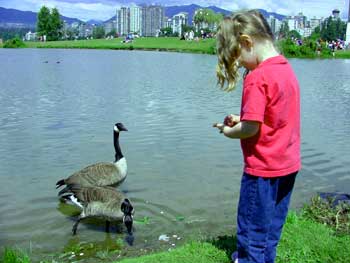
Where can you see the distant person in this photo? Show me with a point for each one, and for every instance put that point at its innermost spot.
(318, 47)
(268, 127)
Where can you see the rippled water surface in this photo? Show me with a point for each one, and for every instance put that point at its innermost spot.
(183, 176)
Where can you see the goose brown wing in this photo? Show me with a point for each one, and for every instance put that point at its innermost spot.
(97, 194)
(99, 174)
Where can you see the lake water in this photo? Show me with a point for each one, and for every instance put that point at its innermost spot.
(183, 176)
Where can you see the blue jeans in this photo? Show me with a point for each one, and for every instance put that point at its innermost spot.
(262, 210)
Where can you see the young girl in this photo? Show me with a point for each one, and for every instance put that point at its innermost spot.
(269, 129)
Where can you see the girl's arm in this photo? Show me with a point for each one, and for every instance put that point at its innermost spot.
(241, 130)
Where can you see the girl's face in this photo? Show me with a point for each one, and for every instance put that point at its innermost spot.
(248, 58)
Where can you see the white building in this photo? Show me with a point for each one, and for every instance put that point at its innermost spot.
(168, 22)
(135, 19)
(347, 37)
(112, 25)
(30, 36)
(123, 21)
(179, 20)
(315, 22)
(292, 23)
(274, 24)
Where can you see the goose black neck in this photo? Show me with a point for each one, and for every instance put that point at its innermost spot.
(118, 152)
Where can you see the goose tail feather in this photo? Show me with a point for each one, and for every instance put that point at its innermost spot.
(60, 183)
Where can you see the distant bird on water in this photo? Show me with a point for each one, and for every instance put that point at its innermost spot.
(103, 173)
(100, 202)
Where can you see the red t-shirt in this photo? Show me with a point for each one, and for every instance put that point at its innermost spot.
(271, 96)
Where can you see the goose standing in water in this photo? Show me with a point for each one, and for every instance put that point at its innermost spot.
(104, 173)
(100, 202)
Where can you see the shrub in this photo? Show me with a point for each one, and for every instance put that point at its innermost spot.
(14, 43)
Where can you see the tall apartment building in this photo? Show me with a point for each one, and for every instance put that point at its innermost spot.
(123, 21)
(292, 23)
(347, 37)
(315, 22)
(300, 21)
(135, 19)
(179, 20)
(152, 20)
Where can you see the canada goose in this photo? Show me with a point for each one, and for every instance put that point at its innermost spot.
(103, 173)
(100, 202)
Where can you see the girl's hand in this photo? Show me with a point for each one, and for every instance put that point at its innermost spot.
(231, 120)
(220, 126)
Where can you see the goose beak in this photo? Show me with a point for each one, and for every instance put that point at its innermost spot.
(120, 127)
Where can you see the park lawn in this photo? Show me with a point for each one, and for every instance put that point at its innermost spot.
(206, 46)
(303, 241)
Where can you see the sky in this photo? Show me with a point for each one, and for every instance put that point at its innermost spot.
(105, 9)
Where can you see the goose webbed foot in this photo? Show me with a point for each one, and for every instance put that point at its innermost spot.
(130, 239)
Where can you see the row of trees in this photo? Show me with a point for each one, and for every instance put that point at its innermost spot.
(9, 33)
(332, 29)
(207, 16)
(49, 24)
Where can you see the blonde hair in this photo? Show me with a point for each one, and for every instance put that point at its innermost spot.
(251, 23)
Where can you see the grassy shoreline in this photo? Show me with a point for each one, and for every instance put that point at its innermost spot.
(319, 233)
(170, 44)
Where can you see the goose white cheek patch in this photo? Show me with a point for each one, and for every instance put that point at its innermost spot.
(116, 129)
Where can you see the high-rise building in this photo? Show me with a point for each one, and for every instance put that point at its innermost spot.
(292, 23)
(123, 21)
(152, 20)
(315, 22)
(347, 37)
(301, 21)
(179, 20)
(135, 19)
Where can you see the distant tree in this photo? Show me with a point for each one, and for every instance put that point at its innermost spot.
(43, 22)
(333, 29)
(72, 33)
(49, 23)
(294, 34)
(9, 33)
(113, 33)
(166, 31)
(284, 30)
(207, 16)
(187, 28)
(56, 25)
(98, 32)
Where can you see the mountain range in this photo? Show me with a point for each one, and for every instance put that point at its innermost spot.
(17, 18)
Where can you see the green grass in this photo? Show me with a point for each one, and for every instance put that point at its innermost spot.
(14, 256)
(303, 241)
(193, 252)
(206, 46)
